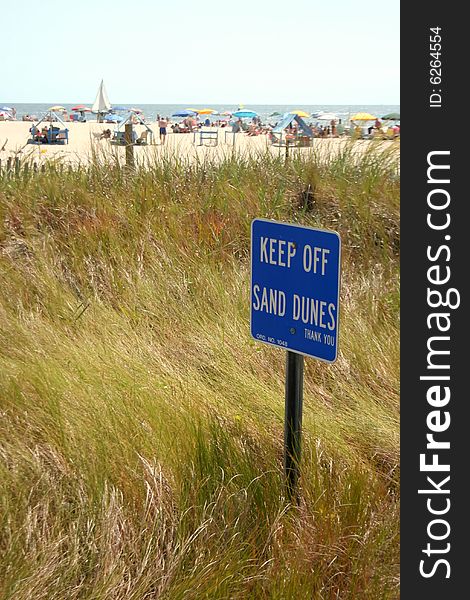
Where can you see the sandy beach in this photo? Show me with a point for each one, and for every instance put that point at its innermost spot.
(84, 142)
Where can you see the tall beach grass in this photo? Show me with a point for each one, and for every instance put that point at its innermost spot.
(141, 428)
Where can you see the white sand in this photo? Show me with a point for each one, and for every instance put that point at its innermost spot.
(82, 140)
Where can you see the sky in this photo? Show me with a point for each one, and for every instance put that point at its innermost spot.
(201, 51)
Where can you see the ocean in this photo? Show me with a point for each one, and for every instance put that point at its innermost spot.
(342, 111)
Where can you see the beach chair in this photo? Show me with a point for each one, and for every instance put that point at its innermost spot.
(142, 140)
(230, 135)
(211, 136)
(62, 137)
(118, 139)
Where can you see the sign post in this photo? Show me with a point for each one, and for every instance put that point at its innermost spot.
(293, 420)
(295, 275)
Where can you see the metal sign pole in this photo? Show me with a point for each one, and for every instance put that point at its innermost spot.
(293, 421)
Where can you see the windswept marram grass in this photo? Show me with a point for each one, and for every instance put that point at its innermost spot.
(140, 425)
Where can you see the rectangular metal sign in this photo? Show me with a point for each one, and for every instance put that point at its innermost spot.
(295, 275)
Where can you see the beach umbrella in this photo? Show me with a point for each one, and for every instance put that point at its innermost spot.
(120, 108)
(362, 116)
(202, 111)
(138, 111)
(113, 118)
(326, 117)
(245, 114)
(205, 111)
(226, 113)
(81, 108)
(392, 117)
(57, 108)
(184, 113)
(101, 104)
(299, 113)
(5, 108)
(275, 114)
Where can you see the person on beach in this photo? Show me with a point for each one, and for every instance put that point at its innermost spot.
(237, 126)
(36, 133)
(162, 124)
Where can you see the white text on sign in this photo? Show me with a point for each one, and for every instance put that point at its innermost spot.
(280, 253)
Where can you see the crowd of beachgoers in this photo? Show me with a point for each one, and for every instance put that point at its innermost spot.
(70, 134)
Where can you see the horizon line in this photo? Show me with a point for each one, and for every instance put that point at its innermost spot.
(223, 103)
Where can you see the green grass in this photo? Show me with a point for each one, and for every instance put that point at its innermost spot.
(141, 428)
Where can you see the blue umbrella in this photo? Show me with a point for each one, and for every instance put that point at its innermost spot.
(113, 118)
(6, 108)
(184, 113)
(120, 108)
(245, 113)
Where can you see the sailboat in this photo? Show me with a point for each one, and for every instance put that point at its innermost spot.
(101, 105)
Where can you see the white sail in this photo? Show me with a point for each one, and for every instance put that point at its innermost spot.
(101, 103)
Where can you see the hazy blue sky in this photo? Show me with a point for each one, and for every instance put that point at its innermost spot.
(201, 51)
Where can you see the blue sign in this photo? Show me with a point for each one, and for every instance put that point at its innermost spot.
(295, 273)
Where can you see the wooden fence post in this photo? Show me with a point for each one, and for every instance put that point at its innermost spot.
(129, 145)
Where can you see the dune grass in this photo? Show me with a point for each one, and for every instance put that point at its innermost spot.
(141, 428)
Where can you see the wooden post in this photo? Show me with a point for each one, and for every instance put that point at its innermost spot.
(9, 163)
(287, 148)
(17, 165)
(129, 146)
